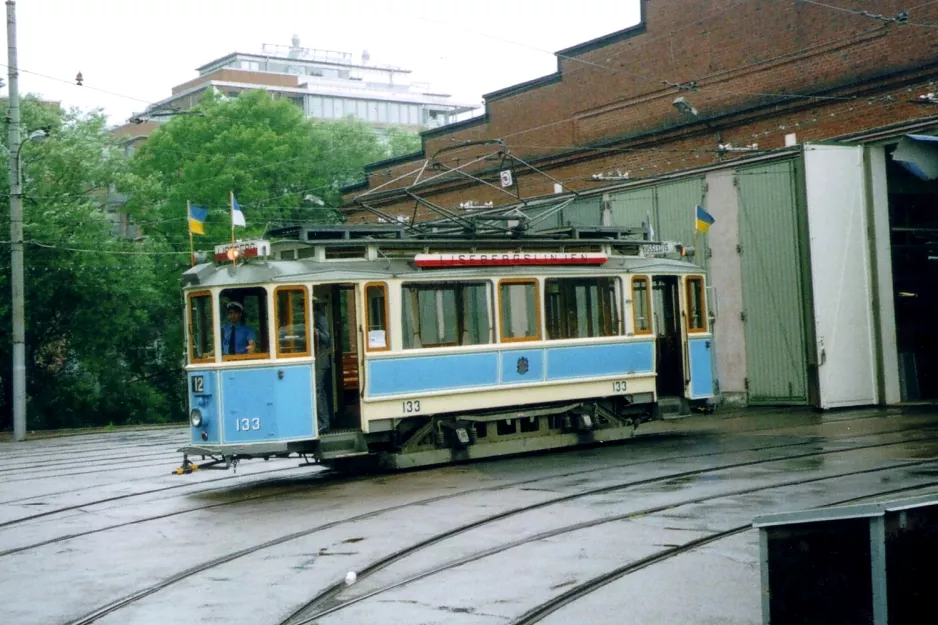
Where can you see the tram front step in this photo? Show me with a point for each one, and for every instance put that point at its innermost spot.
(672, 408)
(342, 443)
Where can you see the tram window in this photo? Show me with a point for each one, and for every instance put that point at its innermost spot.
(640, 310)
(518, 310)
(581, 308)
(237, 345)
(201, 329)
(292, 322)
(437, 315)
(696, 305)
(376, 316)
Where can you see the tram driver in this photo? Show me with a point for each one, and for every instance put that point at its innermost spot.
(236, 337)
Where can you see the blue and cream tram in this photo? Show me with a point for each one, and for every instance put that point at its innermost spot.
(420, 350)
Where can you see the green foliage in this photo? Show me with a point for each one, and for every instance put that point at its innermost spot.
(281, 167)
(98, 323)
(103, 314)
(401, 142)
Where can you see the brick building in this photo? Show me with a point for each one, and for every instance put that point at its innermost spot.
(783, 119)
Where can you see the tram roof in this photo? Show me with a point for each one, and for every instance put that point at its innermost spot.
(258, 271)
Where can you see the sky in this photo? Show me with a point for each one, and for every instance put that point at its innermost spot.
(132, 53)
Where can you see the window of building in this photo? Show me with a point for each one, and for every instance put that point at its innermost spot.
(577, 308)
(519, 314)
(696, 305)
(641, 308)
(382, 111)
(361, 109)
(292, 322)
(244, 334)
(201, 328)
(441, 314)
(376, 316)
(315, 107)
(394, 113)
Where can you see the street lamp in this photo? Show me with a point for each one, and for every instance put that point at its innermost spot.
(16, 280)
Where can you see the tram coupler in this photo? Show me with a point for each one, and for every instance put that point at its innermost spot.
(188, 466)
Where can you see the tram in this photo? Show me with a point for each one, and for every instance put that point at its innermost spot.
(411, 348)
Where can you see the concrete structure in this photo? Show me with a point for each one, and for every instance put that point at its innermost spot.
(326, 84)
(783, 120)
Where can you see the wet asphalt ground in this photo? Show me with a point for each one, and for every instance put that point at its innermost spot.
(95, 528)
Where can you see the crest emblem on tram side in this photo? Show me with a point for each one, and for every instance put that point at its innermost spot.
(522, 365)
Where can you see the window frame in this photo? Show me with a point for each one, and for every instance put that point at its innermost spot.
(304, 294)
(458, 287)
(537, 311)
(387, 333)
(605, 294)
(191, 351)
(689, 283)
(258, 333)
(648, 306)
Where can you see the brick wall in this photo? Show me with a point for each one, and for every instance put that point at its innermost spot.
(610, 105)
(229, 74)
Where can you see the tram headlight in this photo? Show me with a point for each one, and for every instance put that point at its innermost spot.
(195, 417)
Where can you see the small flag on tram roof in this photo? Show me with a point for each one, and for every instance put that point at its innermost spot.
(237, 217)
(704, 219)
(197, 217)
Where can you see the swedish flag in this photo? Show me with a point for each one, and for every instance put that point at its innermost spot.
(704, 219)
(197, 217)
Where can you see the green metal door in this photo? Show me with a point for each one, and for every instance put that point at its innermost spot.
(773, 294)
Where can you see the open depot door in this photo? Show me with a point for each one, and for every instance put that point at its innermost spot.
(835, 180)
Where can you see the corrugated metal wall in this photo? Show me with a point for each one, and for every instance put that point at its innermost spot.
(585, 211)
(773, 297)
(670, 207)
(677, 211)
(634, 207)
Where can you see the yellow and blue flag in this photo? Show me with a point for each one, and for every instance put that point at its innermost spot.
(197, 217)
(704, 219)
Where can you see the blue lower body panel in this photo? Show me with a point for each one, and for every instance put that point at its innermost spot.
(486, 370)
(267, 404)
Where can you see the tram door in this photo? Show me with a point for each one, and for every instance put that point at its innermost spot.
(335, 307)
(667, 314)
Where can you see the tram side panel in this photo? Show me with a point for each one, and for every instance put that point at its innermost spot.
(400, 386)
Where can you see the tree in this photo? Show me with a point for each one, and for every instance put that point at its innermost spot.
(104, 337)
(401, 142)
(99, 327)
(281, 167)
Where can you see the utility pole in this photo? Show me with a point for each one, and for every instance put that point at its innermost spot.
(16, 234)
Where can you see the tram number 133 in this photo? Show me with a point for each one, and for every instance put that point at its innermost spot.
(411, 406)
(246, 425)
(618, 386)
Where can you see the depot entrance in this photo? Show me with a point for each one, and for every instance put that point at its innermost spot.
(913, 223)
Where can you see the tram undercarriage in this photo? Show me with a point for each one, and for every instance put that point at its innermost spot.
(426, 441)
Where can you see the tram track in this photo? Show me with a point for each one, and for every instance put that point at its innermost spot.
(121, 603)
(539, 612)
(34, 448)
(307, 614)
(97, 502)
(337, 478)
(829, 422)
